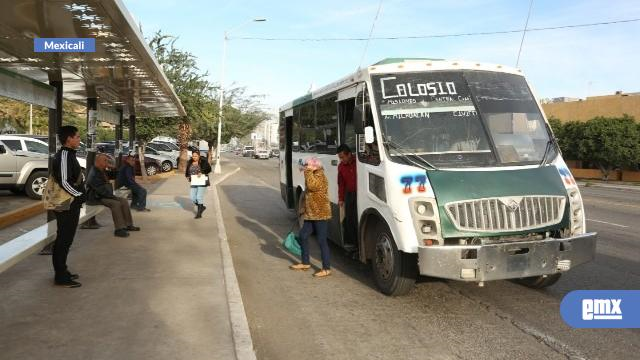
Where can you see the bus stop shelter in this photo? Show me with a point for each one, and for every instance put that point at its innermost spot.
(120, 80)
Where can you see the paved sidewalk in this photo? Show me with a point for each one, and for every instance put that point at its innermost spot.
(159, 294)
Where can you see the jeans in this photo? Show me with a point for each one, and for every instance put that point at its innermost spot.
(197, 194)
(321, 227)
(67, 222)
(138, 196)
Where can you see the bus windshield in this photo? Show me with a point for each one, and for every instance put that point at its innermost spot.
(461, 118)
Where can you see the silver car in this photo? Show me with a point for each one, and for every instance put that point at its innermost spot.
(168, 162)
(24, 165)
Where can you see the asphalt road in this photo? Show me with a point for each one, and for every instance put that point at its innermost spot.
(292, 315)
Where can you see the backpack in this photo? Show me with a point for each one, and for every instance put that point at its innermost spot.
(55, 197)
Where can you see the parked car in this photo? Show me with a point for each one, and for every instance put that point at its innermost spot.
(164, 149)
(80, 152)
(24, 165)
(274, 153)
(152, 166)
(247, 151)
(167, 162)
(262, 154)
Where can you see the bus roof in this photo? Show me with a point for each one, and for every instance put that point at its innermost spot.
(398, 65)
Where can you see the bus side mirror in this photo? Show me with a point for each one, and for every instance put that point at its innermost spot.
(2, 150)
(357, 120)
(369, 137)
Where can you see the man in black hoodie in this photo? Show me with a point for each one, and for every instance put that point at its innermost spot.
(68, 173)
(100, 192)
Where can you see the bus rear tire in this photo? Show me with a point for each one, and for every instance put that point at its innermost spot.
(394, 272)
(539, 282)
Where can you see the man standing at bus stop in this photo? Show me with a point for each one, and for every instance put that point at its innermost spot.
(68, 174)
(347, 198)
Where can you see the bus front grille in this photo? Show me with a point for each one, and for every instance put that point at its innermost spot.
(509, 213)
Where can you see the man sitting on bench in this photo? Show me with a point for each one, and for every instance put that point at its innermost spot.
(126, 178)
(100, 192)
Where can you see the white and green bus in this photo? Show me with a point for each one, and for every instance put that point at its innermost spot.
(459, 175)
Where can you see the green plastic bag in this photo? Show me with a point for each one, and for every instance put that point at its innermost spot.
(291, 244)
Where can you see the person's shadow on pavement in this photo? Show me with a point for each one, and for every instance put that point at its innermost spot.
(185, 203)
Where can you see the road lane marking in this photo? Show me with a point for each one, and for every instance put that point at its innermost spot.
(608, 223)
(237, 315)
(225, 176)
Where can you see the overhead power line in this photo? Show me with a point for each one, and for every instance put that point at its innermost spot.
(524, 32)
(438, 35)
(373, 26)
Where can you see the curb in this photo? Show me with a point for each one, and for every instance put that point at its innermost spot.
(609, 186)
(15, 216)
(241, 334)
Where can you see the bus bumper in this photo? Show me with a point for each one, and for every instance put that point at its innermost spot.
(506, 260)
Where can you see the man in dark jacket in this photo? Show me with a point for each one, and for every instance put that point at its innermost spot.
(100, 192)
(68, 174)
(126, 178)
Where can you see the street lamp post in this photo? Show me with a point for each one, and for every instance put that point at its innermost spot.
(217, 169)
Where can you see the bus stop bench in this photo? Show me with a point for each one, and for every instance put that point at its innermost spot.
(31, 242)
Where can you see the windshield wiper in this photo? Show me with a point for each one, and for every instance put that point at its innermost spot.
(549, 145)
(406, 154)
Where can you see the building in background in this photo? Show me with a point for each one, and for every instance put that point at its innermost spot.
(571, 109)
(266, 134)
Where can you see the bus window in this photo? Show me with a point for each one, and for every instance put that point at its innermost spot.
(282, 126)
(308, 127)
(295, 132)
(327, 125)
(367, 153)
(347, 132)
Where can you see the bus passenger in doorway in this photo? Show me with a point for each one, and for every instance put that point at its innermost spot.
(347, 199)
(317, 212)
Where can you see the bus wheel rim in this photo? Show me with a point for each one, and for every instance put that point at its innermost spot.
(384, 257)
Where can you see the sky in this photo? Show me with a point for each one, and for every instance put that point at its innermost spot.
(575, 62)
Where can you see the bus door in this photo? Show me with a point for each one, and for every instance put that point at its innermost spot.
(286, 145)
(346, 136)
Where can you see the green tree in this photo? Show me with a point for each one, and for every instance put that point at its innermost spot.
(569, 137)
(610, 143)
(241, 114)
(190, 84)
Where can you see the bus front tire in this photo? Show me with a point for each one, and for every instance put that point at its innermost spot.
(394, 272)
(539, 282)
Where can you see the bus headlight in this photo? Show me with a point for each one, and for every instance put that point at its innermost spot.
(576, 211)
(426, 221)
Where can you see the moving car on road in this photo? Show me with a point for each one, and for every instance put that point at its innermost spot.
(248, 151)
(458, 173)
(262, 154)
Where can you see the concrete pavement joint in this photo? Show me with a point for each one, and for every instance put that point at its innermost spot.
(237, 316)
